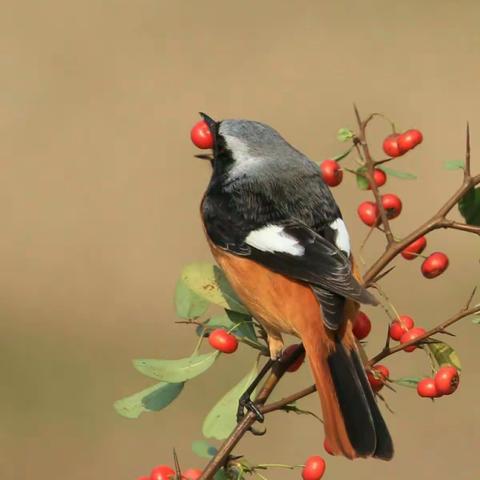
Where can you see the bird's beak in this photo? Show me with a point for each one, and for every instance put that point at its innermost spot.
(211, 123)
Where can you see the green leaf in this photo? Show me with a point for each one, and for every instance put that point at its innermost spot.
(344, 134)
(469, 206)
(454, 165)
(396, 173)
(362, 182)
(210, 283)
(188, 304)
(410, 382)
(175, 371)
(153, 398)
(221, 420)
(203, 449)
(343, 155)
(444, 354)
(230, 319)
(476, 320)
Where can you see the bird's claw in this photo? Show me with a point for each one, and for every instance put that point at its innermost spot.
(250, 405)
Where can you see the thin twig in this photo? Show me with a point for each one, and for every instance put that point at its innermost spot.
(271, 407)
(470, 298)
(464, 312)
(467, 169)
(369, 174)
(459, 226)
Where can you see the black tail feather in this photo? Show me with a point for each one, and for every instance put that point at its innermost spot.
(365, 426)
(384, 448)
(353, 403)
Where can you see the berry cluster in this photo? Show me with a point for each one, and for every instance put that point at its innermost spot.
(445, 382)
(397, 144)
(394, 145)
(404, 331)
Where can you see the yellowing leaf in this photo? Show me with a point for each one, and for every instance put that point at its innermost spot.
(209, 282)
(188, 304)
(444, 354)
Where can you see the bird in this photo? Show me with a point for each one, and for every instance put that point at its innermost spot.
(274, 228)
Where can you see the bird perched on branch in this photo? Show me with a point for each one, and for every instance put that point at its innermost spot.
(276, 231)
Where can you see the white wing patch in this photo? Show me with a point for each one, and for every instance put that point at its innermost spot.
(272, 238)
(342, 239)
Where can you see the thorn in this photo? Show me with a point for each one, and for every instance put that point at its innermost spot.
(357, 114)
(178, 472)
(383, 274)
(470, 298)
(467, 153)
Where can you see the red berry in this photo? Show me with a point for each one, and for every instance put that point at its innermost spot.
(377, 377)
(400, 326)
(143, 478)
(314, 468)
(327, 448)
(162, 472)
(191, 474)
(223, 341)
(446, 380)
(434, 265)
(379, 177)
(368, 213)
(298, 362)
(391, 147)
(411, 335)
(410, 139)
(392, 205)
(361, 326)
(426, 388)
(416, 247)
(331, 172)
(201, 135)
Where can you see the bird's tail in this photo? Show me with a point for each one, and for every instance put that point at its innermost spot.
(353, 424)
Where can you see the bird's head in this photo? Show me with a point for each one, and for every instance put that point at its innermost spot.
(243, 148)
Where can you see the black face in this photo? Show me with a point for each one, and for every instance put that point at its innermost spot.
(222, 157)
(211, 123)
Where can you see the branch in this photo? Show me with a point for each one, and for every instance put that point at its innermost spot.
(370, 164)
(221, 457)
(437, 221)
(279, 404)
(467, 170)
(386, 352)
(459, 226)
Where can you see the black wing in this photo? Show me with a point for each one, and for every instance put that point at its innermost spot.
(322, 264)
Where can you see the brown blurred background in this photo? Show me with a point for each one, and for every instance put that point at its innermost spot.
(99, 195)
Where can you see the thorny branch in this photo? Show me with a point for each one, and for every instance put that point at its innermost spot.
(376, 271)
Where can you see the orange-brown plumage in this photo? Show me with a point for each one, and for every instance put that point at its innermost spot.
(284, 305)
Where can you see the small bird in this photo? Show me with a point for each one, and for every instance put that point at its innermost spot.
(276, 231)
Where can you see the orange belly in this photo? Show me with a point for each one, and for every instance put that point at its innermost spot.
(273, 299)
